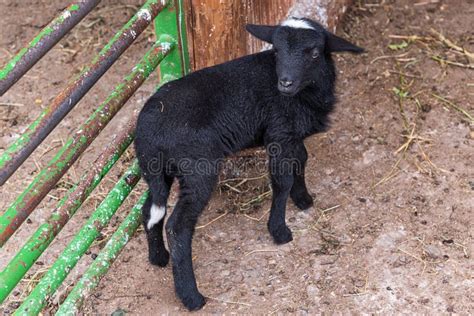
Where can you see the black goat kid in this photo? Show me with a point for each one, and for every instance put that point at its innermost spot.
(275, 99)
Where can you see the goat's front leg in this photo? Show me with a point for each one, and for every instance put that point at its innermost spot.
(281, 169)
(299, 193)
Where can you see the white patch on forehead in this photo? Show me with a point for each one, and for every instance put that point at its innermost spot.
(298, 24)
(156, 214)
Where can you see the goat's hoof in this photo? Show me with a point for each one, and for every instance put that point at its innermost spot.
(282, 235)
(303, 201)
(160, 258)
(194, 302)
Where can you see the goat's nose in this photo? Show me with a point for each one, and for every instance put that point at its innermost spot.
(286, 83)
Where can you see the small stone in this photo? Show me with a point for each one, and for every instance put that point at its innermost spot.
(471, 184)
(237, 278)
(312, 291)
(345, 239)
(433, 251)
(403, 259)
(304, 215)
(118, 312)
(327, 259)
(359, 283)
(336, 239)
(100, 237)
(426, 107)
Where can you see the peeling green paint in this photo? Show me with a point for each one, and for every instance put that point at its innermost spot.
(90, 279)
(171, 24)
(53, 278)
(127, 27)
(19, 151)
(10, 276)
(73, 7)
(11, 64)
(50, 28)
(44, 235)
(171, 68)
(21, 141)
(75, 145)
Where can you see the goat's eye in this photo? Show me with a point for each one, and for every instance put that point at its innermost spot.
(315, 54)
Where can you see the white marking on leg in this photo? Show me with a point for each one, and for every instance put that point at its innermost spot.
(297, 24)
(156, 214)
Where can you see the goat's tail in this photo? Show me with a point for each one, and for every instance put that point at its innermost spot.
(154, 209)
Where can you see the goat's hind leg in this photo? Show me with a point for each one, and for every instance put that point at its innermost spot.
(195, 191)
(153, 214)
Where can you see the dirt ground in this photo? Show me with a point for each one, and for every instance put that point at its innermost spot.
(393, 179)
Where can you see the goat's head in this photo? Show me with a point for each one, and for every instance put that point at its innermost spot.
(303, 52)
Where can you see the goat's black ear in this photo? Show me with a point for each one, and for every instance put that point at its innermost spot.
(336, 44)
(263, 32)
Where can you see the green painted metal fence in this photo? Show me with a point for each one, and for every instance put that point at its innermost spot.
(170, 54)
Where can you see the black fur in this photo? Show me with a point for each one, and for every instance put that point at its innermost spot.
(275, 98)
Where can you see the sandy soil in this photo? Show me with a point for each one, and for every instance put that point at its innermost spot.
(391, 230)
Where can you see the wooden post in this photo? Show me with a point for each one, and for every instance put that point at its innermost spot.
(216, 28)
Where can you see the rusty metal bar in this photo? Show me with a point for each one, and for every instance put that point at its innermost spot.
(17, 153)
(34, 303)
(43, 42)
(26, 202)
(174, 65)
(66, 208)
(90, 279)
